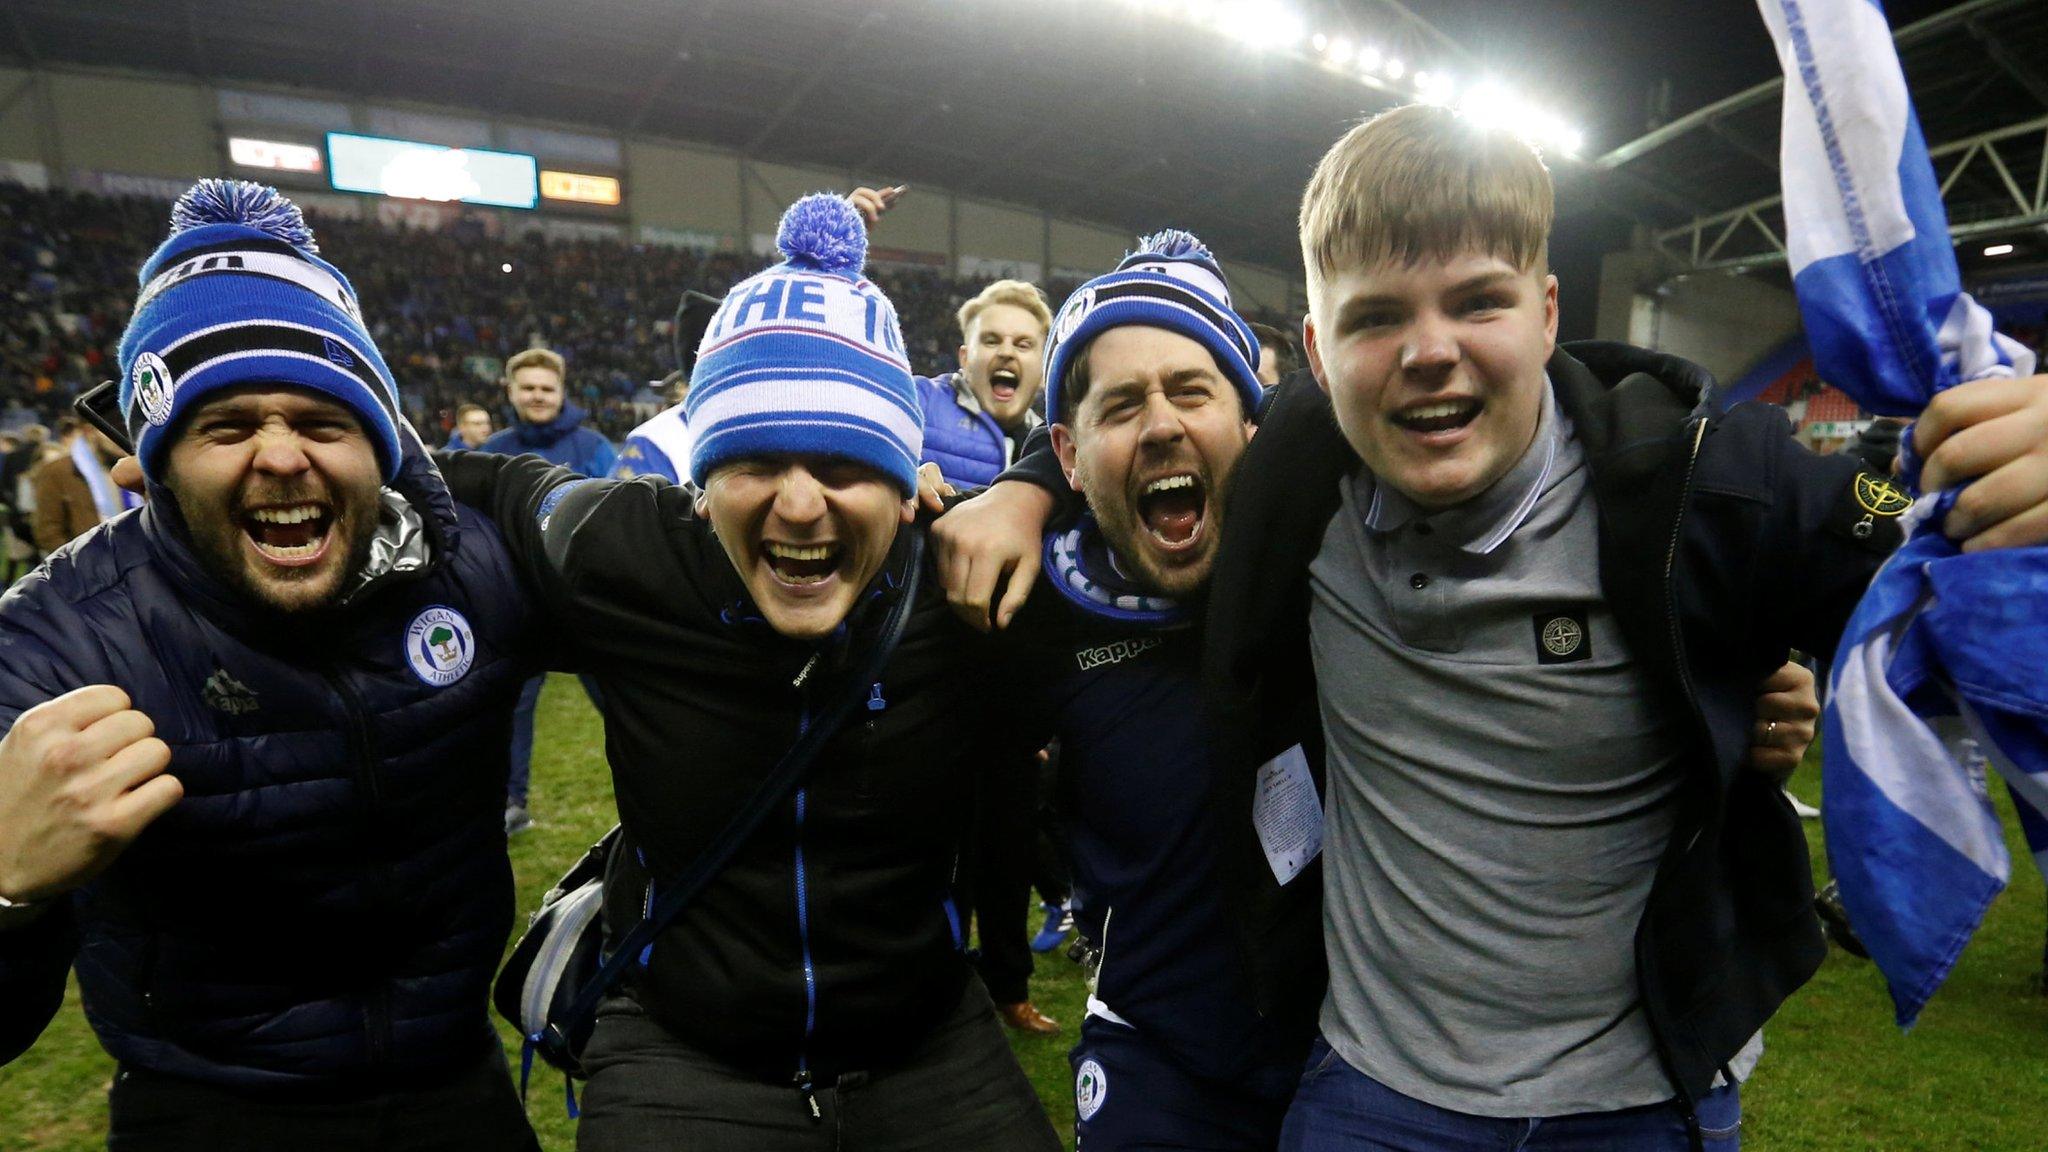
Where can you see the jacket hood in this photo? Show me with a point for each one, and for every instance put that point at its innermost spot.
(568, 420)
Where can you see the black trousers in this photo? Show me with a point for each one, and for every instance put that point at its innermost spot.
(476, 1110)
(961, 1089)
(996, 867)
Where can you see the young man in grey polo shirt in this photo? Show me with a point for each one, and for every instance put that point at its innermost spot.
(1532, 590)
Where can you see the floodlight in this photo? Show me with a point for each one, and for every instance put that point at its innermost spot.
(1340, 51)
(1320, 42)
(1395, 68)
(1998, 250)
(1369, 59)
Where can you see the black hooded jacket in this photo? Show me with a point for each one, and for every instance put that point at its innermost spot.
(829, 943)
(1723, 543)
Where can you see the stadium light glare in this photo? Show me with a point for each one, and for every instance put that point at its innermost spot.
(1320, 42)
(507, 268)
(1998, 250)
(1339, 51)
(1369, 59)
(1395, 68)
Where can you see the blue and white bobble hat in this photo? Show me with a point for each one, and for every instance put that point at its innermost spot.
(1173, 282)
(238, 294)
(806, 358)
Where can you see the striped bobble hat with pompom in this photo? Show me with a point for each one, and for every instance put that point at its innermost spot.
(1171, 281)
(806, 359)
(238, 294)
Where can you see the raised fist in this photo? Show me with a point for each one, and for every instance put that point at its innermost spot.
(80, 777)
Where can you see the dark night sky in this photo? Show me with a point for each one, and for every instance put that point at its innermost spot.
(1595, 62)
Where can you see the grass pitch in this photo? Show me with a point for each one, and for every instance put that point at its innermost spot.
(1838, 1077)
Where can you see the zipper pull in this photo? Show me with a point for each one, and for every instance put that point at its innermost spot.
(875, 701)
(803, 1086)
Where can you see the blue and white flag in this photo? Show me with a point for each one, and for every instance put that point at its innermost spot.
(1940, 675)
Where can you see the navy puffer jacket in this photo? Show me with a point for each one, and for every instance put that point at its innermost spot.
(327, 904)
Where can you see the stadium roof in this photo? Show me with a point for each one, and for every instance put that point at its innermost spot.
(1114, 113)
(1978, 73)
(1124, 113)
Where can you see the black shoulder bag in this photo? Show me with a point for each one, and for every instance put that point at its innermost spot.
(559, 971)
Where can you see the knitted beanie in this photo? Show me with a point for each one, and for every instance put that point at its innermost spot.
(806, 358)
(239, 295)
(1172, 282)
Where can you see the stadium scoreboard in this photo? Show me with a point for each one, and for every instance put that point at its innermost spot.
(417, 171)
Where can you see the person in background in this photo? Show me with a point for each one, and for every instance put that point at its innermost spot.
(72, 489)
(472, 427)
(1277, 360)
(544, 424)
(976, 418)
(660, 446)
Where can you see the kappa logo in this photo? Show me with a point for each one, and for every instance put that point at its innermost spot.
(1116, 653)
(440, 646)
(153, 388)
(1091, 1088)
(1881, 497)
(224, 693)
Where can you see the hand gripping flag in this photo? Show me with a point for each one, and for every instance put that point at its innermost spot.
(1942, 673)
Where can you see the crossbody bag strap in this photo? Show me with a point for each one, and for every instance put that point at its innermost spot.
(743, 823)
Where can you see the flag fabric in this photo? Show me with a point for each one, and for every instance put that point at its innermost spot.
(1942, 674)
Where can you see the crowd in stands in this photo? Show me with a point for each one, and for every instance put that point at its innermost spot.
(441, 305)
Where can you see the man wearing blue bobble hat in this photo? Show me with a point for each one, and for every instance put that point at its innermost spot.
(813, 992)
(255, 744)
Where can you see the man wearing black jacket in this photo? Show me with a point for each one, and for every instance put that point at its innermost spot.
(1531, 591)
(814, 994)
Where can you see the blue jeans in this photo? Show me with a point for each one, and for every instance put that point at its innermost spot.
(522, 735)
(1337, 1108)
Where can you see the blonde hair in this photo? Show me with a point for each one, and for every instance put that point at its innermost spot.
(1423, 182)
(1015, 293)
(537, 358)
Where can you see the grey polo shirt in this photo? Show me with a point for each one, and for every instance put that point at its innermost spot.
(1501, 786)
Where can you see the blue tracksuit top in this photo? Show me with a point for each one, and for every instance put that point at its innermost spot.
(1124, 696)
(563, 440)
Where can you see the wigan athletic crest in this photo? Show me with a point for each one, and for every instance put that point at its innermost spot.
(439, 646)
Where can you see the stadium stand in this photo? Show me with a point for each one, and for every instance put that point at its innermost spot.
(441, 302)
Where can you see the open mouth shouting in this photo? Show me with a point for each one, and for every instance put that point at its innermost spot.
(290, 535)
(1439, 422)
(1002, 385)
(800, 567)
(1173, 509)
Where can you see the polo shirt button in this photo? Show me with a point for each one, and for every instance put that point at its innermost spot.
(1418, 581)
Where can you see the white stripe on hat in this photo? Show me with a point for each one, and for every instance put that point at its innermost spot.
(204, 366)
(806, 391)
(1187, 272)
(255, 262)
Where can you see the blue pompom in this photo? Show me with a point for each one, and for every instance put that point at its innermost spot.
(1174, 242)
(825, 233)
(252, 205)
